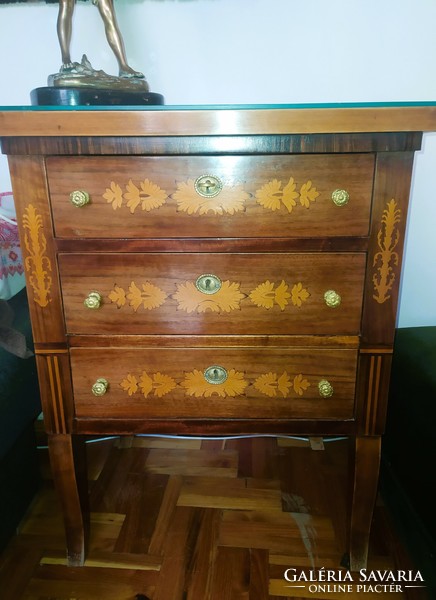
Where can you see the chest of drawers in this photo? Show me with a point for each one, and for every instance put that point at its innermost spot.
(213, 271)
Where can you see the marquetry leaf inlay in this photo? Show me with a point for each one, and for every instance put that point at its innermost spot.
(230, 200)
(195, 384)
(114, 195)
(386, 259)
(130, 384)
(271, 383)
(147, 196)
(228, 298)
(157, 384)
(299, 294)
(147, 296)
(190, 299)
(118, 296)
(37, 264)
(300, 384)
(268, 293)
(273, 197)
(308, 194)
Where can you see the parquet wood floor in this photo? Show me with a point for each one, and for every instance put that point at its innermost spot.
(198, 520)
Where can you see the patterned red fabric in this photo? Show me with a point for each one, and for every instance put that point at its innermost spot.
(10, 251)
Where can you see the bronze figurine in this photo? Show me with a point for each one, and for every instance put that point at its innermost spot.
(73, 74)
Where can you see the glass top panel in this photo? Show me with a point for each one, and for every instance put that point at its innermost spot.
(222, 106)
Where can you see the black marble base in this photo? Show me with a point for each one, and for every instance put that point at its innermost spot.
(67, 96)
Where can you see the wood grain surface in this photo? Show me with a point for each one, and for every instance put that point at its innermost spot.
(193, 520)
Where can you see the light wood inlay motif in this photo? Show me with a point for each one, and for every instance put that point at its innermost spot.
(290, 220)
(269, 384)
(272, 197)
(37, 264)
(375, 368)
(387, 239)
(148, 296)
(226, 299)
(148, 196)
(158, 384)
(230, 200)
(57, 403)
(197, 386)
(266, 295)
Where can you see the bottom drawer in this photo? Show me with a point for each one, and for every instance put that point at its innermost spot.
(263, 383)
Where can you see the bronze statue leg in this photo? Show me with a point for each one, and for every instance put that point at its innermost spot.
(114, 37)
(64, 29)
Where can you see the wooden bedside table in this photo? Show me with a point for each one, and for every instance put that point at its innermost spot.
(213, 271)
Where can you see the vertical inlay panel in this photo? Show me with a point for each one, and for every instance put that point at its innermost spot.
(389, 213)
(373, 390)
(56, 393)
(39, 253)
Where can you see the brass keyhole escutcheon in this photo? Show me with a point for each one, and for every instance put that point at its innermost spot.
(100, 387)
(208, 284)
(93, 300)
(208, 186)
(332, 299)
(79, 198)
(325, 388)
(340, 197)
(215, 374)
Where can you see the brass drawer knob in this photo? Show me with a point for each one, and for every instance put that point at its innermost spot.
(93, 300)
(215, 374)
(208, 284)
(208, 186)
(332, 299)
(340, 197)
(100, 387)
(325, 388)
(79, 198)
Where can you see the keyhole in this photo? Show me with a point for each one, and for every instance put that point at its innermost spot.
(208, 185)
(215, 375)
(208, 284)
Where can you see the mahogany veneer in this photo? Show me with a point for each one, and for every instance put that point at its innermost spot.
(215, 280)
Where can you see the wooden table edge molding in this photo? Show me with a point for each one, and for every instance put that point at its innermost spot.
(361, 158)
(225, 121)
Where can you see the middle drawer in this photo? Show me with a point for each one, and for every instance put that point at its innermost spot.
(196, 294)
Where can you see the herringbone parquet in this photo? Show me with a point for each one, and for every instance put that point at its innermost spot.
(197, 520)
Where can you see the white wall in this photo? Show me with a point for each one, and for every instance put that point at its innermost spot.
(259, 51)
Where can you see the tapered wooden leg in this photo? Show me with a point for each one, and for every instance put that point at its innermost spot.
(364, 492)
(68, 463)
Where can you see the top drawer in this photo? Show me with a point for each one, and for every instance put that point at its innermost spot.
(206, 197)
